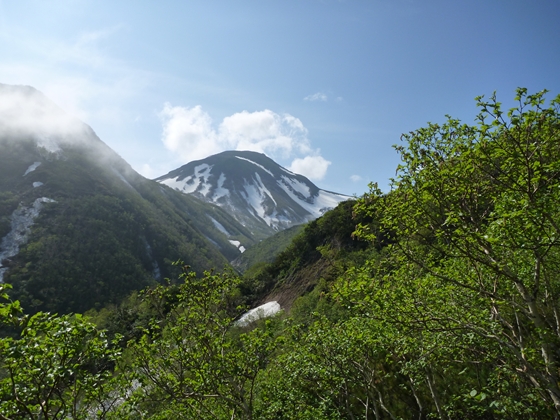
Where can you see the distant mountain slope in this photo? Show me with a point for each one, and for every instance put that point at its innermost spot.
(259, 193)
(266, 250)
(79, 228)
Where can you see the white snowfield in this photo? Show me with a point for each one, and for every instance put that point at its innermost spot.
(256, 195)
(191, 183)
(316, 205)
(220, 191)
(21, 221)
(264, 311)
(238, 245)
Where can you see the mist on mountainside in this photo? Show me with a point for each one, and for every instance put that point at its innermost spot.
(79, 228)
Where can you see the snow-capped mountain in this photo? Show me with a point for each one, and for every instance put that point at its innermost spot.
(259, 193)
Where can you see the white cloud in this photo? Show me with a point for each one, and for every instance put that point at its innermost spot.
(264, 132)
(79, 73)
(313, 167)
(355, 178)
(319, 96)
(92, 37)
(151, 172)
(190, 134)
(189, 131)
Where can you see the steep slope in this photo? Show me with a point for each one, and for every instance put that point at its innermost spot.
(323, 249)
(259, 193)
(79, 228)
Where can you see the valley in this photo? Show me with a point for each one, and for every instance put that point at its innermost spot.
(229, 288)
(80, 229)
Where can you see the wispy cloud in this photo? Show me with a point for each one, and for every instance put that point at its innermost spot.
(92, 37)
(355, 178)
(191, 134)
(319, 96)
(75, 72)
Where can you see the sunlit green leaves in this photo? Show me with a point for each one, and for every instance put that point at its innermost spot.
(475, 212)
(59, 367)
(192, 359)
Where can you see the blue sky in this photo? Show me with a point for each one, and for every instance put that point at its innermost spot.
(323, 87)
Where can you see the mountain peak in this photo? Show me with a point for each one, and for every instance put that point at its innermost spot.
(257, 191)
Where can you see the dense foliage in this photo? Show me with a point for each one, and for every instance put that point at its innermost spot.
(447, 308)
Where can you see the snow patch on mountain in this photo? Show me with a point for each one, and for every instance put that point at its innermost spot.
(287, 171)
(238, 245)
(264, 311)
(295, 186)
(256, 194)
(21, 221)
(264, 189)
(191, 183)
(203, 176)
(37, 184)
(32, 167)
(177, 185)
(220, 191)
(255, 163)
(253, 195)
(316, 205)
(323, 202)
